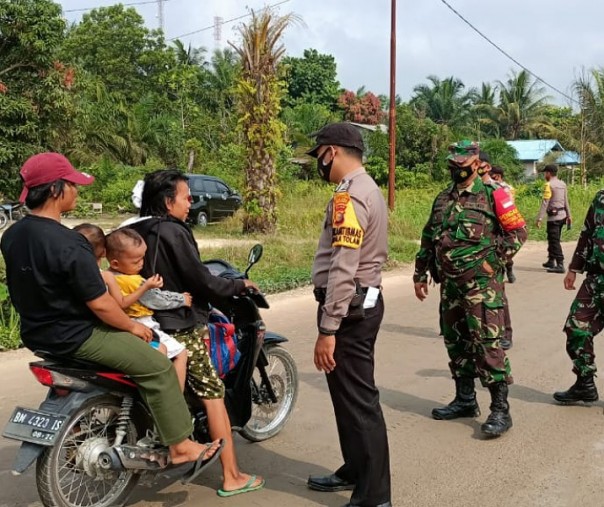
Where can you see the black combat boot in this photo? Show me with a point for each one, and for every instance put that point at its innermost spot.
(499, 420)
(464, 404)
(549, 264)
(584, 389)
(558, 268)
(510, 274)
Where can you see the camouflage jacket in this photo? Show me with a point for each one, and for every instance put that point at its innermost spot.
(462, 233)
(589, 253)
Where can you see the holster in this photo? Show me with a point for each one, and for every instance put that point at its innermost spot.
(355, 308)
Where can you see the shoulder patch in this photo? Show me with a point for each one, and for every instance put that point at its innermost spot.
(346, 229)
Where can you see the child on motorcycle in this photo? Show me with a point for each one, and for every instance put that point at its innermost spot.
(134, 294)
(125, 251)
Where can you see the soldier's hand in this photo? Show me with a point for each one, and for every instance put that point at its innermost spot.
(538, 223)
(324, 349)
(421, 290)
(569, 280)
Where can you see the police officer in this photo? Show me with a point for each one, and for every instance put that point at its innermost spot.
(347, 277)
(555, 205)
(586, 316)
(470, 234)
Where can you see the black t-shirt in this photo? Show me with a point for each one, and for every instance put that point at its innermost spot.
(51, 273)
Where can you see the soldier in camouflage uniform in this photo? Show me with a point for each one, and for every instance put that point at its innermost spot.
(466, 243)
(586, 316)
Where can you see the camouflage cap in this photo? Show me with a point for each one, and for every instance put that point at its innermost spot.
(463, 153)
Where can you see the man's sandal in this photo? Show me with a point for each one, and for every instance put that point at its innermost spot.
(201, 464)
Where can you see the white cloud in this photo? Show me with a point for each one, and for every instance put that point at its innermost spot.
(554, 38)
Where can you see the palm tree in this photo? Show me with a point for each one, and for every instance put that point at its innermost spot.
(190, 56)
(259, 94)
(444, 101)
(519, 113)
(590, 90)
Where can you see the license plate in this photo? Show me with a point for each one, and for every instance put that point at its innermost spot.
(34, 426)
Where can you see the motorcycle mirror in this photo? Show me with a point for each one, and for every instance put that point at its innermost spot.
(254, 256)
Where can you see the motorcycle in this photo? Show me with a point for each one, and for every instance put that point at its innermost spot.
(11, 211)
(93, 437)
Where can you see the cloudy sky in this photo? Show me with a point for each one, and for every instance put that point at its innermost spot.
(555, 39)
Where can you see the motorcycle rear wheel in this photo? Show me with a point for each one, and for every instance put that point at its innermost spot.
(66, 474)
(3, 220)
(269, 418)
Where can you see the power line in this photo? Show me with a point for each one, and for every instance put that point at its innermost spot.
(125, 5)
(211, 27)
(505, 53)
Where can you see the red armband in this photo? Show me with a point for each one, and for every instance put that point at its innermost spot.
(507, 213)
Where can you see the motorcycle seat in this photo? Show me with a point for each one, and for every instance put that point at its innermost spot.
(72, 362)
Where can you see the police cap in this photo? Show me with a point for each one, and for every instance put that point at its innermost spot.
(337, 134)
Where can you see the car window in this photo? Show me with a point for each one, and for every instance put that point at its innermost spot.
(210, 186)
(222, 188)
(197, 184)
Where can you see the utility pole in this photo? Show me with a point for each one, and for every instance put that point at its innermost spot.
(392, 112)
(160, 14)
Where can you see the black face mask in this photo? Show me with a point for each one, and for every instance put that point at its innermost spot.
(324, 170)
(460, 174)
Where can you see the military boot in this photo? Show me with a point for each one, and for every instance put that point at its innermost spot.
(558, 268)
(499, 420)
(549, 264)
(584, 389)
(464, 404)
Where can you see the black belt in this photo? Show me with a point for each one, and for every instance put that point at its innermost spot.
(321, 293)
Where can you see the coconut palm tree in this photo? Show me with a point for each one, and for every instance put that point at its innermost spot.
(590, 138)
(259, 94)
(444, 101)
(519, 113)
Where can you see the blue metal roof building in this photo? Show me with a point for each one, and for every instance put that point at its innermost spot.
(532, 152)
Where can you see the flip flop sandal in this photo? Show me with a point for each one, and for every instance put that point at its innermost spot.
(201, 464)
(244, 489)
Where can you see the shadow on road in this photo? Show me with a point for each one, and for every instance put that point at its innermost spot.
(420, 332)
(282, 474)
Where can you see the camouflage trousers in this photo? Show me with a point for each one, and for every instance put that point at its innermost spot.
(201, 374)
(472, 324)
(584, 321)
(508, 332)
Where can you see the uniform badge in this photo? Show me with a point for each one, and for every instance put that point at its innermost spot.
(346, 229)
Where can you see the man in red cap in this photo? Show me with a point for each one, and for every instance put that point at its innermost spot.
(57, 289)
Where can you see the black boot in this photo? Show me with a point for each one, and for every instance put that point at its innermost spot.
(510, 274)
(558, 268)
(499, 420)
(549, 264)
(464, 404)
(584, 389)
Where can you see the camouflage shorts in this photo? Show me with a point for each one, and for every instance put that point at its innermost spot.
(202, 377)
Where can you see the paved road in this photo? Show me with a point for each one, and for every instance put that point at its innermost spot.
(554, 456)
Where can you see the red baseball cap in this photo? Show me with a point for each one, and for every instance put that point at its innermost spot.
(45, 168)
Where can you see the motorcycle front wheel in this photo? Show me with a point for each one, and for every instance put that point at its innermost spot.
(269, 418)
(68, 475)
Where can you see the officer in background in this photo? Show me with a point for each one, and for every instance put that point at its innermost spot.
(347, 277)
(471, 232)
(586, 316)
(497, 175)
(555, 205)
